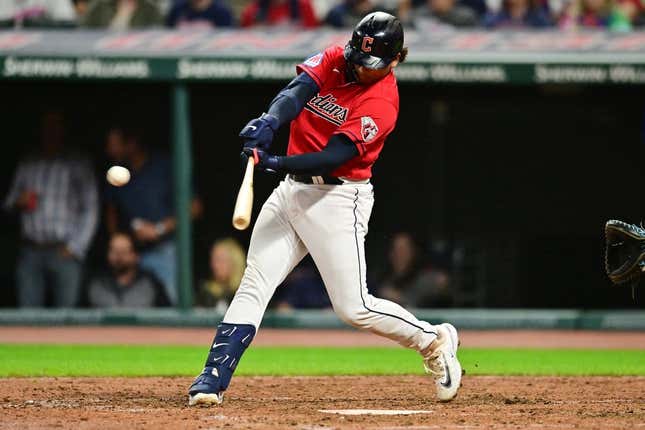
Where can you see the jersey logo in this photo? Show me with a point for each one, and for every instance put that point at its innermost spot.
(367, 44)
(369, 130)
(314, 60)
(327, 108)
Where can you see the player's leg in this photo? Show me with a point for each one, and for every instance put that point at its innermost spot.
(274, 251)
(333, 229)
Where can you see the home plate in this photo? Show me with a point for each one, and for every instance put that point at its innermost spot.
(372, 411)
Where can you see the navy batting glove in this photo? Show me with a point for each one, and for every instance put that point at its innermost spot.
(263, 160)
(258, 133)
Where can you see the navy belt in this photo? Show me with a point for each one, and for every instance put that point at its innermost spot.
(318, 180)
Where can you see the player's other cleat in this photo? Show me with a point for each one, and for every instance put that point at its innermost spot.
(441, 362)
(206, 390)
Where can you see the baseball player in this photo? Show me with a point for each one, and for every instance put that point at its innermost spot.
(341, 107)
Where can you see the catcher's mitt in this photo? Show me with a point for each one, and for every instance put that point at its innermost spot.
(624, 252)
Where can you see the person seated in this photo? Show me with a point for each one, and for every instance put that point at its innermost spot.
(302, 289)
(288, 13)
(37, 13)
(408, 10)
(196, 14)
(633, 11)
(598, 14)
(124, 284)
(80, 9)
(446, 12)
(349, 12)
(227, 264)
(517, 14)
(144, 206)
(409, 280)
(122, 14)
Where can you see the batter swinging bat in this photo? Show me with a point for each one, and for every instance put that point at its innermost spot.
(244, 202)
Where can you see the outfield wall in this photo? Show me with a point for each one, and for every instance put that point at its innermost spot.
(463, 318)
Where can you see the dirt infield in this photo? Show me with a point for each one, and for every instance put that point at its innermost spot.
(277, 337)
(294, 403)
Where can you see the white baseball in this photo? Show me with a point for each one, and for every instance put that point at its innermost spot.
(118, 176)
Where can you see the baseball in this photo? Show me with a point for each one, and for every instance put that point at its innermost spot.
(118, 176)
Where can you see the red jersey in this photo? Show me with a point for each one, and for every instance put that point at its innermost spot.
(279, 13)
(365, 114)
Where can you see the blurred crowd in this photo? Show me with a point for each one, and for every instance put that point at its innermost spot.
(60, 205)
(614, 15)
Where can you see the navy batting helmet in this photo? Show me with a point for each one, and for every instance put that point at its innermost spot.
(376, 41)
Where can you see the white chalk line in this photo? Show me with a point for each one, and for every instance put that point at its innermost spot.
(373, 411)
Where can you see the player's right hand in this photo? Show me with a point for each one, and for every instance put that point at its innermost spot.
(258, 133)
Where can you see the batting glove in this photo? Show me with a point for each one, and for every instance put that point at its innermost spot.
(259, 132)
(263, 160)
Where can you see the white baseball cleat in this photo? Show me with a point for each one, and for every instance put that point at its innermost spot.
(205, 399)
(441, 362)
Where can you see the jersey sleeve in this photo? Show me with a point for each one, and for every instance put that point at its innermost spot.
(371, 121)
(319, 66)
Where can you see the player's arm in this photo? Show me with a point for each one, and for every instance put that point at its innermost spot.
(338, 151)
(289, 102)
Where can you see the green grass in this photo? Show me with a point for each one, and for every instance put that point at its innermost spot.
(107, 360)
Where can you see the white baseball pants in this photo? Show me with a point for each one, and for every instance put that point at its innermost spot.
(329, 222)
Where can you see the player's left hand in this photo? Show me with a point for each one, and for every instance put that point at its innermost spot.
(258, 133)
(263, 160)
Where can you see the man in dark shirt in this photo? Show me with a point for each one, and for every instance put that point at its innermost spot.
(199, 14)
(447, 12)
(145, 205)
(125, 285)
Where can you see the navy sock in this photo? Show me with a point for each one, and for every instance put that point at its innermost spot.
(231, 340)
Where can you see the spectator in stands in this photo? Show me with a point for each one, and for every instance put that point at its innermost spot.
(227, 264)
(408, 11)
(56, 196)
(145, 205)
(599, 14)
(37, 13)
(296, 13)
(199, 14)
(447, 12)
(479, 6)
(635, 10)
(122, 14)
(518, 14)
(302, 289)
(409, 280)
(124, 284)
(80, 8)
(349, 12)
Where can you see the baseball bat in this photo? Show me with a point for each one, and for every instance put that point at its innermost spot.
(244, 202)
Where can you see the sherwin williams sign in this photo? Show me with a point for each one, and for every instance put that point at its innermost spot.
(441, 57)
